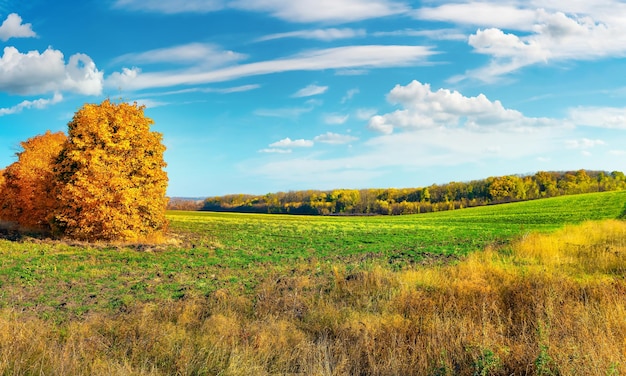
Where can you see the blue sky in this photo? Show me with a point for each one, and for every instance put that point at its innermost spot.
(258, 96)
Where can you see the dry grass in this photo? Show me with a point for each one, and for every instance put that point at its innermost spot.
(548, 305)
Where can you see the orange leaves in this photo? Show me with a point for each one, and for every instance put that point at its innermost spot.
(26, 196)
(103, 182)
(113, 185)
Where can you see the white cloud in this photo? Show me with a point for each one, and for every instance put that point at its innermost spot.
(310, 91)
(171, 6)
(408, 151)
(335, 11)
(538, 34)
(288, 112)
(335, 119)
(436, 34)
(289, 143)
(478, 13)
(36, 104)
(351, 72)
(334, 138)
(207, 55)
(349, 95)
(426, 109)
(12, 27)
(151, 103)
(617, 153)
(340, 58)
(326, 35)
(365, 113)
(603, 117)
(583, 143)
(36, 73)
(275, 150)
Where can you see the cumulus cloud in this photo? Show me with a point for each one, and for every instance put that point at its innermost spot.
(423, 108)
(334, 138)
(310, 91)
(325, 35)
(335, 119)
(36, 73)
(289, 143)
(12, 27)
(36, 104)
(539, 32)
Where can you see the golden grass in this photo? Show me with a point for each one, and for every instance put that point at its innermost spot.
(547, 305)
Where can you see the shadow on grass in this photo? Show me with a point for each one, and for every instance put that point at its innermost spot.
(12, 232)
(623, 214)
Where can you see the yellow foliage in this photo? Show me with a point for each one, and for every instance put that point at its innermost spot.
(26, 195)
(111, 182)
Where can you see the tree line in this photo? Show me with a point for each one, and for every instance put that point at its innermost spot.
(394, 201)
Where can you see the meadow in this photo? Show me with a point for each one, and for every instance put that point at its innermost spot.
(533, 287)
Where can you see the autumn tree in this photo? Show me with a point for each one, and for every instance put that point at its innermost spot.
(110, 179)
(26, 197)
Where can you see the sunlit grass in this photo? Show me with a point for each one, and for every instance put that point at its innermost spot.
(244, 302)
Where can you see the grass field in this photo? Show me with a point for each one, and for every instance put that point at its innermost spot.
(239, 293)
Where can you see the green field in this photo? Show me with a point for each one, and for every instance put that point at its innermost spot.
(215, 251)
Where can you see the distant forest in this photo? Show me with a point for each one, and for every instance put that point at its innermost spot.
(397, 201)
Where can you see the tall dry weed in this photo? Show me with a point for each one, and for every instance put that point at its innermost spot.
(549, 305)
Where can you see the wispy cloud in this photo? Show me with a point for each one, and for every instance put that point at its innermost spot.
(305, 11)
(224, 90)
(288, 112)
(371, 56)
(602, 117)
(335, 11)
(335, 119)
(349, 95)
(326, 35)
(171, 6)
(206, 55)
(435, 34)
(310, 91)
(275, 150)
(36, 104)
(334, 138)
(583, 143)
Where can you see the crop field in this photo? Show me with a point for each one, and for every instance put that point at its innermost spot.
(274, 294)
(236, 251)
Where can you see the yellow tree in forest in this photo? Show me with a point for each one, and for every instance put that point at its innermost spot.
(26, 196)
(111, 181)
